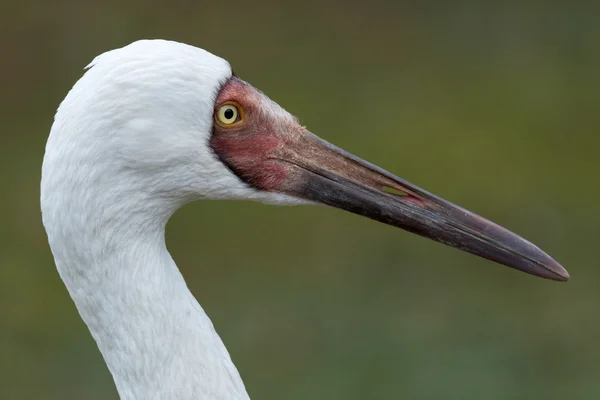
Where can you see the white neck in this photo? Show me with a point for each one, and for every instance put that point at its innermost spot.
(155, 338)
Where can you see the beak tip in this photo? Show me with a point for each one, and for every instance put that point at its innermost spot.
(557, 272)
(563, 274)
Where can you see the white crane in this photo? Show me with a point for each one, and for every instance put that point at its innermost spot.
(157, 124)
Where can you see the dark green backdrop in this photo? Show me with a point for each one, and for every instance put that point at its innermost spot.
(491, 105)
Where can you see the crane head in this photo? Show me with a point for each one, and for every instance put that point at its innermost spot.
(157, 124)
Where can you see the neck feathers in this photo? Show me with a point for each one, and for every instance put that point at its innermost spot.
(155, 338)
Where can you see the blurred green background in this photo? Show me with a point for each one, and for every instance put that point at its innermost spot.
(492, 105)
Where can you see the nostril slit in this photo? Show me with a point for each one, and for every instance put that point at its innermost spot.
(394, 191)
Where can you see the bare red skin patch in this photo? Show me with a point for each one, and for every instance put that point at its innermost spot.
(250, 147)
(269, 150)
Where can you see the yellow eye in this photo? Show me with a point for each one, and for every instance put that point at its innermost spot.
(228, 114)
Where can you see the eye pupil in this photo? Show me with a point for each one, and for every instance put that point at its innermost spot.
(228, 114)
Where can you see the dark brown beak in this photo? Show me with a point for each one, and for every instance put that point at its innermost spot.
(326, 174)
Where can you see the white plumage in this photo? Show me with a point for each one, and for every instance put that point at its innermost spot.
(135, 139)
(128, 148)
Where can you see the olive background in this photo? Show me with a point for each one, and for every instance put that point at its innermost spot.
(492, 105)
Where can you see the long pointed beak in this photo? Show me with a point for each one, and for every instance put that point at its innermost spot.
(323, 173)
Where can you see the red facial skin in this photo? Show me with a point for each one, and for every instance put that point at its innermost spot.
(250, 147)
(266, 148)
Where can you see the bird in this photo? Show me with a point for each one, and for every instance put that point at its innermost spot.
(157, 124)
